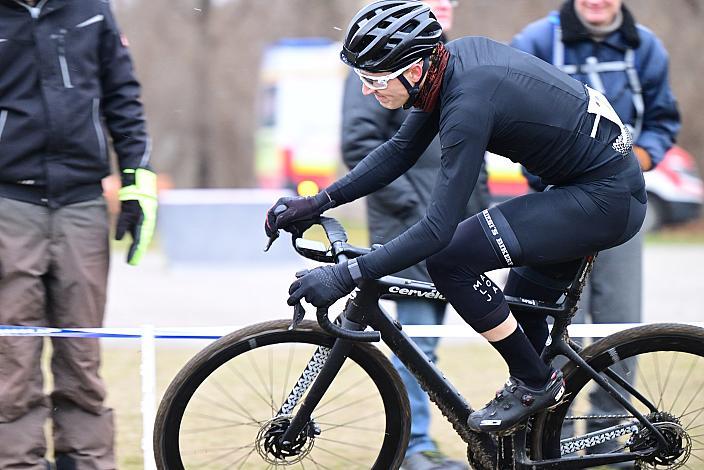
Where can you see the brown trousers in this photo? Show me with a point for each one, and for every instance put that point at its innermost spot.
(53, 272)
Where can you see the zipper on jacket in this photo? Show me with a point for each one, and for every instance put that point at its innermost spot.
(99, 128)
(3, 120)
(63, 64)
(35, 10)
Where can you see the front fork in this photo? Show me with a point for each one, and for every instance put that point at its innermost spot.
(321, 370)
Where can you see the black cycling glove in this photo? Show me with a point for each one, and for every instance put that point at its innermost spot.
(288, 210)
(322, 286)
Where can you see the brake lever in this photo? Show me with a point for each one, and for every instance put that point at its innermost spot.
(271, 241)
(278, 210)
(298, 314)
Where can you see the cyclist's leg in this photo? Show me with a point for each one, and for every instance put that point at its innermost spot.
(458, 273)
(545, 283)
(536, 229)
(418, 312)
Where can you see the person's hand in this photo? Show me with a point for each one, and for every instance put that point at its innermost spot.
(137, 211)
(646, 163)
(288, 210)
(321, 286)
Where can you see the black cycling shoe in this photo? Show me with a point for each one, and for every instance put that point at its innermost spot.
(515, 402)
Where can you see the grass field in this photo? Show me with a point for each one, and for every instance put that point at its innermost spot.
(474, 368)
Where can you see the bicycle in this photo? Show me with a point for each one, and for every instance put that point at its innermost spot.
(329, 396)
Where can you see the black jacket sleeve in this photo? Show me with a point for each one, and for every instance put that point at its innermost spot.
(365, 126)
(388, 161)
(464, 134)
(121, 106)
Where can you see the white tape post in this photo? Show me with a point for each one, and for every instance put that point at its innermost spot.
(148, 373)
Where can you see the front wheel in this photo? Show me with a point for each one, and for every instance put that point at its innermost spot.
(227, 407)
(665, 363)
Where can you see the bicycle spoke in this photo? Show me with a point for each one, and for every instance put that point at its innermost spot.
(344, 392)
(258, 373)
(249, 385)
(695, 418)
(341, 457)
(219, 405)
(684, 382)
(666, 382)
(689, 413)
(346, 405)
(692, 399)
(352, 428)
(232, 399)
(271, 379)
(216, 428)
(335, 441)
(317, 464)
(246, 457)
(657, 378)
(351, 422)
(287, 376)
(642, 380)
(224, 455)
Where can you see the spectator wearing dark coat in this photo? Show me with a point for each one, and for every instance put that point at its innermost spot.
(66, 81)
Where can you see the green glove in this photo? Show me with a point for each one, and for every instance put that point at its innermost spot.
(137, 211)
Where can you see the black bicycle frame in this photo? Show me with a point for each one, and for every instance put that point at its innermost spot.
(363, 310)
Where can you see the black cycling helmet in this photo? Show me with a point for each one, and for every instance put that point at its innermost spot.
(390, 34)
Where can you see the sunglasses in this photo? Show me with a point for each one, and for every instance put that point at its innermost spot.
(382, 82)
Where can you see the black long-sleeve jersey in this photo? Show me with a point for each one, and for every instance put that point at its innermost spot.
(493, 98)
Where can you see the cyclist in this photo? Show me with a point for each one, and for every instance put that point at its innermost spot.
(392, 210)
(480, 95)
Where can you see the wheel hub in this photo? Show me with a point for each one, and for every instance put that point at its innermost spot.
(679, 443)
(273, 450)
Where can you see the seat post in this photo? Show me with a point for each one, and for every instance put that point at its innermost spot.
(563, 317)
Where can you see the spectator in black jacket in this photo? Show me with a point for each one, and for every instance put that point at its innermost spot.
(392, 210)
(65, 76)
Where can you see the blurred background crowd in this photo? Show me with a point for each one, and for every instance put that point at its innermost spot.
(201, 62)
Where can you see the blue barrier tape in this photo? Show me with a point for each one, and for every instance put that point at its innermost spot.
(8, 330)
(211, 333)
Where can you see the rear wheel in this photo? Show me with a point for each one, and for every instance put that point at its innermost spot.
(223, 409)
(665, 363)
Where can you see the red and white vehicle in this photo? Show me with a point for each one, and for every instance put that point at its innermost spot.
(675, 191)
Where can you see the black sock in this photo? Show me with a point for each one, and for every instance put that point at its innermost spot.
(523, 362)
(535, 326)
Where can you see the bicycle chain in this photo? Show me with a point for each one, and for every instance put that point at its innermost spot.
(473, 439)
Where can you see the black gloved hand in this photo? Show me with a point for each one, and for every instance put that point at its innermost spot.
(322, 286)
(288, 210)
